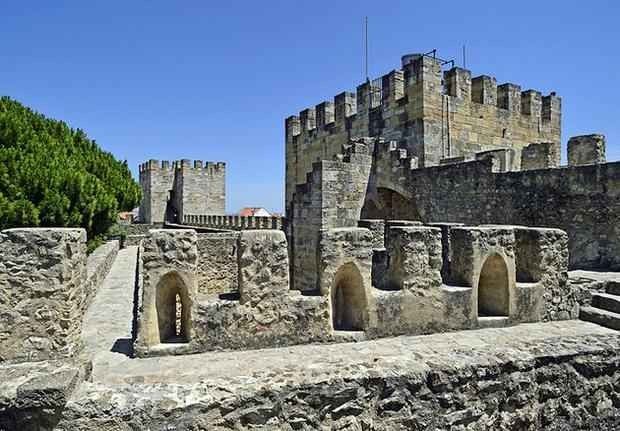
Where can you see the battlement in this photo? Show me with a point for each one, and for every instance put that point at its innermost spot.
(192, 186)
(433, 111)
(407, 83)
(170, 165)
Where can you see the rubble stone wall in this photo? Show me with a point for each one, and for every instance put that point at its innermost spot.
(43, 293)
(583, 201)
(217, 263)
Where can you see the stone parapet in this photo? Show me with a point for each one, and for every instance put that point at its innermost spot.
(234, 222)
(43, 293)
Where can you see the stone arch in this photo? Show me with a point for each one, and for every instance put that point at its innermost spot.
(494, 287)
(348, 298)
(388, 204)
(173, 309)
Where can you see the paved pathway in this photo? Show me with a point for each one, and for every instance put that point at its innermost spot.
(108, 321)
(397, 353)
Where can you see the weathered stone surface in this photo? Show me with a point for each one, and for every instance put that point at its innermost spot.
(263, 266)
(42, 293)
(33, 394)
(586, 150)
(263, 313)
(552, 376)
(415, 258)
(333, 197)
(542, 257)
(196, 189)
(217, 266)
(167, 283)
(582, 201)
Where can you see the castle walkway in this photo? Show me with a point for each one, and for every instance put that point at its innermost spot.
(108, 322)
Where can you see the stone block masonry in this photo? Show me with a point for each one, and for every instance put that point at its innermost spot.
(172, 189)
(581, 200)
(434, 115)
(178, 314)
(233, 222)
(46, 284)
(586, 150)
(545, 376)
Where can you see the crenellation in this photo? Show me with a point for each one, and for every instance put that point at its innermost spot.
(345, 105)
(459, 83)
(531, 103)
(484, 90)
(292, 125)
(393, 86)
(170, 188)
(509, 97)
(324, 114)
(552, 109)
(432, 113)
(307, 119)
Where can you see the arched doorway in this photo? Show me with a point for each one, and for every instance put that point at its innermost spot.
(173, 309)
(349, 308)
(493, 288)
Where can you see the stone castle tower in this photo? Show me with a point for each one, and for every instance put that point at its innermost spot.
(171, 190)
(438, 116)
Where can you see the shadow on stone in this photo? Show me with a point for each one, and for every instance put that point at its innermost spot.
(123, 345)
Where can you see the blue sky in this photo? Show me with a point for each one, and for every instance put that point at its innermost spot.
(215, 80)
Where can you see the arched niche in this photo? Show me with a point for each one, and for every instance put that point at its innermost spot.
(349, 304)
(388, 204)
(493, 287)
(173, 309)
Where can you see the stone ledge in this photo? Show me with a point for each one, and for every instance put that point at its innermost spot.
(556, 375)
(33, 393)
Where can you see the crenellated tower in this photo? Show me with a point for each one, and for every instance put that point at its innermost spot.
(171, 189)
(436, 115)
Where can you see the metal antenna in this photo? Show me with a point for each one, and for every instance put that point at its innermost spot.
(366, 47)
(464, 63)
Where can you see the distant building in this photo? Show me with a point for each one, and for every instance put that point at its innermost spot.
(254, 211)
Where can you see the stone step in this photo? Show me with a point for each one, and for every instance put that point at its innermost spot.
(601, 317)
(493, 322)
(606, 301)
(613, 287)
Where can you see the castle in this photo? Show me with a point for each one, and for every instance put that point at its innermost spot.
(426, 203)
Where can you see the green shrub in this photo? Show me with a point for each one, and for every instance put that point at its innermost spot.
(52, 175)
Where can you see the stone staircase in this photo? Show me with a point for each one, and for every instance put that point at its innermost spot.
(605, 307)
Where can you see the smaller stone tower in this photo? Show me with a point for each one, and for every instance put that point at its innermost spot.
(171, 190)
(199, 188)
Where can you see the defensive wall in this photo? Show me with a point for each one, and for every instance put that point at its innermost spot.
(432, 113)
(47, 282)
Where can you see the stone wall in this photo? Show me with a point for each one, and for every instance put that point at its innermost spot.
(233, 222)
(432, 114)
(263, 313)
(217, 267)
(170, 189)
(552, 377)
(586, 150)
(98, 265)
(43, 293)
(233, 289)
(333, 197)
(583, 201)
(199, 189)
(156, 180)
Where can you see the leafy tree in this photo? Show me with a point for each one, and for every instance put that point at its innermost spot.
(52, 175)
